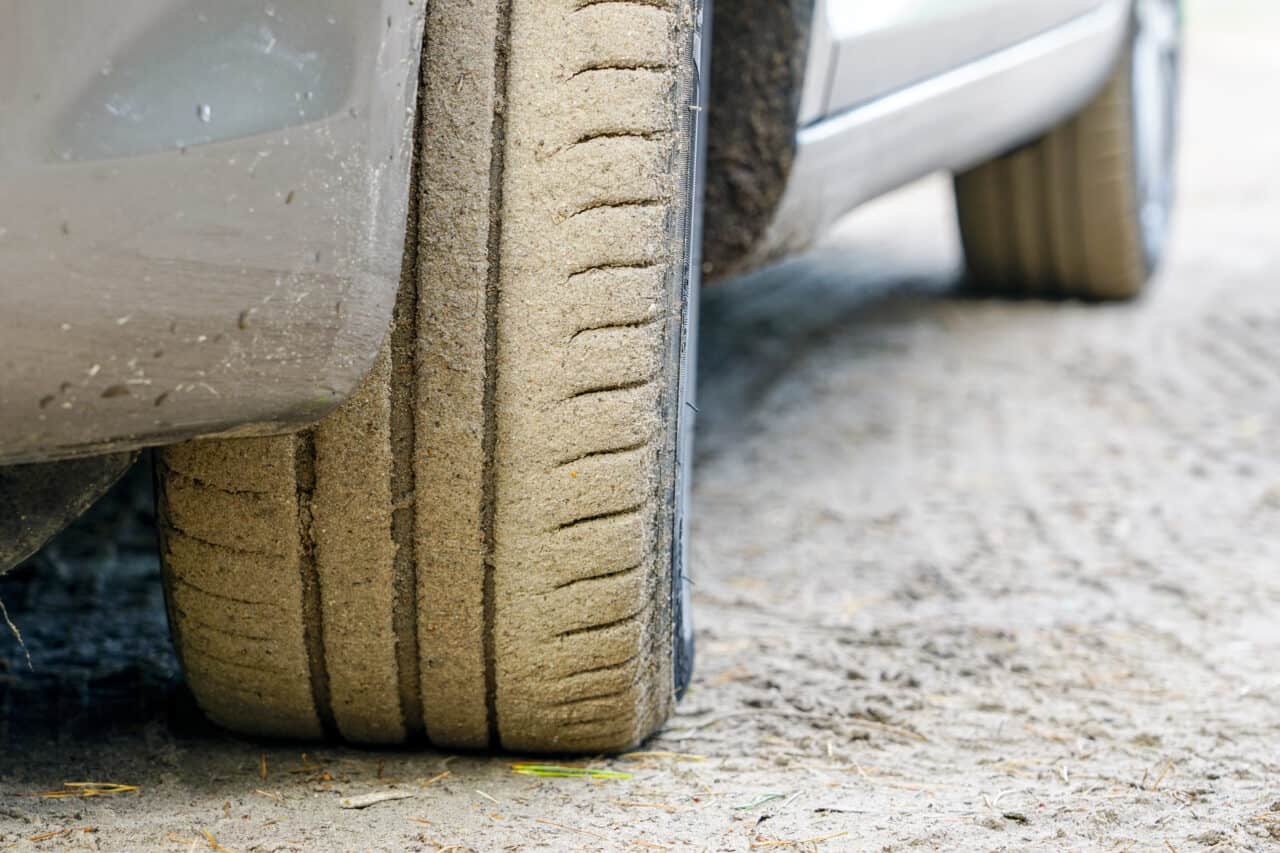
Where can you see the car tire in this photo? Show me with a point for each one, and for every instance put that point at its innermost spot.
(482, 547)
(1083, 211)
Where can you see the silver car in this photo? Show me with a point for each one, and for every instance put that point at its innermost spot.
(406, 294)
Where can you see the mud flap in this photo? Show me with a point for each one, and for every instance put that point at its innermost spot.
(38, 500)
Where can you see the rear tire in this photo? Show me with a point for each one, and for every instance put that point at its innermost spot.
(477, 547)
(1083, 211)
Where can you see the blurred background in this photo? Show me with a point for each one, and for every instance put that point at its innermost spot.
(968, 573)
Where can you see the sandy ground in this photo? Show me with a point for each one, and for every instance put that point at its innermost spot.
(970, 576)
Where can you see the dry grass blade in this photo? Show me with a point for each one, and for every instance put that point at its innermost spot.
(759, 801)
(558, 771)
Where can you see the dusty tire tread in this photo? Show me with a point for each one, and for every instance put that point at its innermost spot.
(1057, 217)
(475, 549)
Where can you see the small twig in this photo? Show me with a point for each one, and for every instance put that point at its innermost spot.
(797, 842)
(214, 845)
(4, 611)
(642, 804)
(572, 829)
(365, 800)
(45, 836)
(434, 779)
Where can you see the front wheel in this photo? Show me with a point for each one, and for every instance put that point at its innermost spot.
(1084, 210)
(482, 547)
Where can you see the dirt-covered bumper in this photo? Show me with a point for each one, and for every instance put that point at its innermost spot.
(201, 214)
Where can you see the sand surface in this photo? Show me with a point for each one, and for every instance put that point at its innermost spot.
(970, 575)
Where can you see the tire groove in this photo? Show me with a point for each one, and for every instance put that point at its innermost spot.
(612, 451)
(622, 664)
(655, 4)
(594, 721)
(489, 442)
(619, 573)
(637, 324)
(224, 597)
(1043, 173)
(312, 610)
(222, 685)
(605, 389)
(652, 68)
(200, 624)
(619, 265)
(595, 697)
(206, 655)
(1077, 207)
(618, 205)
(213, 487)
(1007, 211)
(593, 136)
(404, 403)
(604, 626)
(601, 516)
(174, 530)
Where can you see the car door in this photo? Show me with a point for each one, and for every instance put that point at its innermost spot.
(862, 51)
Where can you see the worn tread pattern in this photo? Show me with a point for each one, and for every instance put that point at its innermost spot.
(475, 549)
(1058, 217)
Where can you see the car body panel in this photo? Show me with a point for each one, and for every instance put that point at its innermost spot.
(202, 210)
(949, 121)
(874, 49)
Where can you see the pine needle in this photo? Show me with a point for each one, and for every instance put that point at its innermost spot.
(84, 790)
